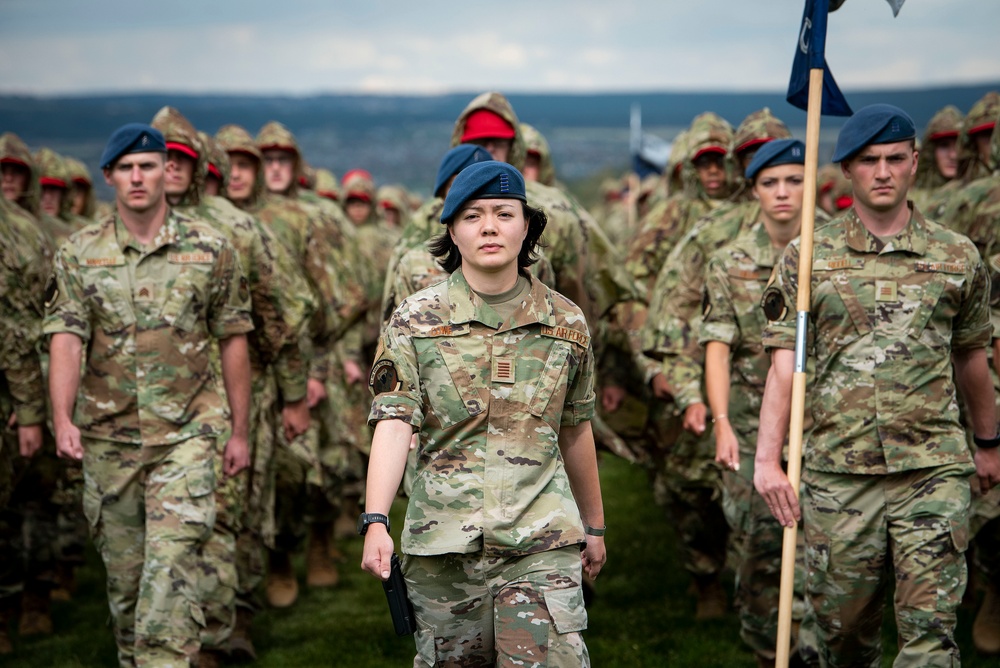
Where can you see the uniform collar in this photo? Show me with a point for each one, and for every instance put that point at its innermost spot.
(168, 234)
(466, 306)
(759, 248)
(911, 239)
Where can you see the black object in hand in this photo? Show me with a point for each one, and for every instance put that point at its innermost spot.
(399, 604)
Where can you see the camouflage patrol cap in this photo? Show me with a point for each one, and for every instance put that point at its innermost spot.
(874, 124)
(358, 184)
(759, 127)
(327, 185)
(947, 122)
(307, 179)
(274, 135)
(392, 197)
(217, 158)
(181, 136)
(51, 169)
(499, 105)
(457, 159)
(234, 139)
(536, 144)
(78, 172)
(483, 180)
(983, 115)
(709, 133)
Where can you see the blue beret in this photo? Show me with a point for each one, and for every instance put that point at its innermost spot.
(874, 124)
(132, 138)
(456, 160)
(776, 152)
(483, 180)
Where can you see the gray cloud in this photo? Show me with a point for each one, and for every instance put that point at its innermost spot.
(65, 46)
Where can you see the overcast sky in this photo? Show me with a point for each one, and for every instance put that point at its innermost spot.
(432, 46)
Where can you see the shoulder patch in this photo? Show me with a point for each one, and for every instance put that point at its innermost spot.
(566, 334)
(773, 304)
(384, 378)
(51, 292)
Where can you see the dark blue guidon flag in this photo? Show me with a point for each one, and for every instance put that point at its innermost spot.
(809, 55)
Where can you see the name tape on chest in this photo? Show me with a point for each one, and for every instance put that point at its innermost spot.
(567, 334)
(441, 330)
(104, 261)
(838, 264)
(942, 267)
(191, 258)
(749, 274)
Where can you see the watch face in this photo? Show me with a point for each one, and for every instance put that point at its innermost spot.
(362, 525)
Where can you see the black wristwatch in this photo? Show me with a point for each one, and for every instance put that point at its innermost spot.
(370, 518)
(986, 443)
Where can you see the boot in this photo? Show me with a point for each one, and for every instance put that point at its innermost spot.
(320, 571)
(210, 658)
(66, 577)
(6, 614)
(712, 601)
(36, 619)
(281, 587)
(986, 628)
(241, 642)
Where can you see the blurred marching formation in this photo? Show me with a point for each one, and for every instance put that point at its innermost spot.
(328, 259)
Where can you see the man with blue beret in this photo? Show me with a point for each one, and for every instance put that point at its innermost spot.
(899, 323)
(137, 299)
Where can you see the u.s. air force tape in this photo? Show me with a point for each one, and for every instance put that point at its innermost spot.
(773, 303)
(384, 378)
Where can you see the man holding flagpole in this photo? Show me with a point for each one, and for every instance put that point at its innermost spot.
(898, 318)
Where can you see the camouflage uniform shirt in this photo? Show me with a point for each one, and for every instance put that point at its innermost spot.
(147, 316)
(734, 284)
(488, 399)
(884, 320)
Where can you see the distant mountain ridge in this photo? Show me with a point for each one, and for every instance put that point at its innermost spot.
(401, 138)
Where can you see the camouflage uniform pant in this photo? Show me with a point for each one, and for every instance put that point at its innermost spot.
(854, 524)
(985, 529)
(757, 537)
(233, 563)
(28, 530)
(473, 610)
(151, 509)
(689, 483)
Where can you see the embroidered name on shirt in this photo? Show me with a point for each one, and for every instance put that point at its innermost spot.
(441, 330)
(943, 267)
(749, 274)
(567, 334)
(104, 261)
(190, 258)
(834, 265)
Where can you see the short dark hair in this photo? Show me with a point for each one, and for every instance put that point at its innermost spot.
(444, 249)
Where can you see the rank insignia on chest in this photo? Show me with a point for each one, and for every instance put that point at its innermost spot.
(503, 370)
(886, 291)
(144, 293)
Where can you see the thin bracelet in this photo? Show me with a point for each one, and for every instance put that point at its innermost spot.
(719, 417)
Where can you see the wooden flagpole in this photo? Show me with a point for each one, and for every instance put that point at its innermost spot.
(797, 417)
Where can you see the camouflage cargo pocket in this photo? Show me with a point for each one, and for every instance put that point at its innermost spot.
(566, 608)
(200, 483)
(92, 506)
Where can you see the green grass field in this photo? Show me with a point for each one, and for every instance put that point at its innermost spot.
(641, 617)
